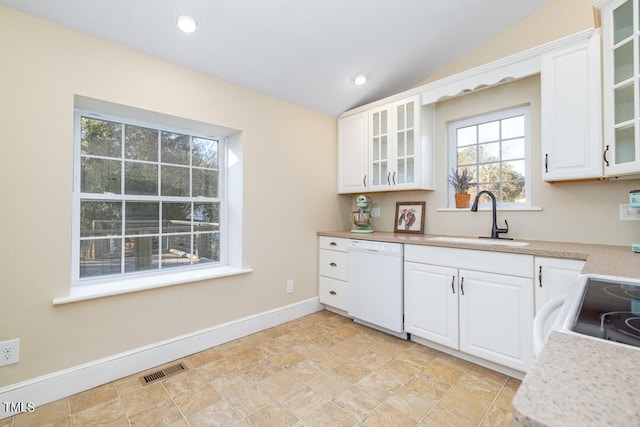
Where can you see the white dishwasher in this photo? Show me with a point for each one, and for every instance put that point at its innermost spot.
(375, 294)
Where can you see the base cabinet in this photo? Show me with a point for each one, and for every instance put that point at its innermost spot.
(334, 273)
(485, 314)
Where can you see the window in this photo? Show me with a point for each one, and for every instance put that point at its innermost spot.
(147, 199)
(494, 149)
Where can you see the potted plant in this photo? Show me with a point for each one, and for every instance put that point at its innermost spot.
(461, 180)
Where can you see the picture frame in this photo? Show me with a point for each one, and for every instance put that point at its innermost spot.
(409, 217)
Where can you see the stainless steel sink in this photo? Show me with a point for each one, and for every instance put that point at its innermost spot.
(478, 241)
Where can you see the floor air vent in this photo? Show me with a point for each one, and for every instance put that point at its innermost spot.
(162, 373)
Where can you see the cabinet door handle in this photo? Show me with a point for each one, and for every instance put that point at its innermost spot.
(333, 264)
(389, 178)
(604, 156)
(540, 277)
(546, 163)
(333, 244)
(364, 181)
(333, 292)
(453, 280)
(462, 286)
(394, 178)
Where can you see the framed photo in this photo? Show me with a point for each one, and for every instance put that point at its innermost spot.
(409, 217)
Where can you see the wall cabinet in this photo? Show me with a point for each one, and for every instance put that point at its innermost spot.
(384, 149)
(333, 272)
(571, 113)
(353, 149)
(478, 302)
(621, 75)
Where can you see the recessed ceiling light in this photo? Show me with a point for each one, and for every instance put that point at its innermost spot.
(359, 80)
(187, 23)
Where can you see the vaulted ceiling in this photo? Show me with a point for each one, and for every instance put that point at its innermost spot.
(303, 51)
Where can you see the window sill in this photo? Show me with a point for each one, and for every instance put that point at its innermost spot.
(124, 286)
(499, 209)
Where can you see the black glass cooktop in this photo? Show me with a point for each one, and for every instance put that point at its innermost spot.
(611, 311)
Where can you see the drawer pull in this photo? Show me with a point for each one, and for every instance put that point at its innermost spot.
(540, 276)
(453, 280)
(333, 264)
(462, 286)
(333, 244)
(333, 292)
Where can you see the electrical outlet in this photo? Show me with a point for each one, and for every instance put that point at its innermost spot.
(628, 213)
(9, 352)
(375, 212)
(290, 286)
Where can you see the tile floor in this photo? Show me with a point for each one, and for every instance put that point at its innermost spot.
(319, 370)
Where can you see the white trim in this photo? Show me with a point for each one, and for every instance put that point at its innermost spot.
(513, 67)
(60, 384)
(141, 282)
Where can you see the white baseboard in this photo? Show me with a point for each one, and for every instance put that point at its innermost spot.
(51, 387)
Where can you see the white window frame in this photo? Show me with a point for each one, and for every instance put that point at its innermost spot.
(230, 193)
(452, 163)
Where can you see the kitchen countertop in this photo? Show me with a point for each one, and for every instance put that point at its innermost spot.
(575, 381)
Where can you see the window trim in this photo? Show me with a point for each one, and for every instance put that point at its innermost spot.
(231, 191)
(524, 110)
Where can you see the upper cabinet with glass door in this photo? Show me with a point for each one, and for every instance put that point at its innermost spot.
(398, 161)
(620, 37)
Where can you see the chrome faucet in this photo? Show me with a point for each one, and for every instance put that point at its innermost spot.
(495, 231)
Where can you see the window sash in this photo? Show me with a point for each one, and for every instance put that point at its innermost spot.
(484, 143)
(155, 239)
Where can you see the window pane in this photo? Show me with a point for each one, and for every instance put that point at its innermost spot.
(400, 116)
(624, 103)
(467, 136)
(410, 143)
(175, 181)
(489, 152)
(489, 132)
(513, 170)
(175, 148)
(513, 192)
(489, 172)
(207, 247)
(205, 153)
(176, 217)
(467, 155)
(100, 218)
(623, 22)
(100, 138)
(623, 62)
(100, 257)
(383, 122)
(141, 178)
(206, 217)
(410, 115)
(100, 176)
(513, 149)
(513, 127)
(177, 250)
(400, 144)
(205, 183)
(142, 218)
(141, 254)
(140, 143)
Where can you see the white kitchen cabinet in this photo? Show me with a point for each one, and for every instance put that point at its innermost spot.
(554, 276)
(496, 318)
(353, 148)
(386, 148)
(571, 113)
(478, 302)
(431, 302)
(621, 76)
(333, 272)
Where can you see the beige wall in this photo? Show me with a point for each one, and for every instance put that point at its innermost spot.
(571, 211)
(289, 194)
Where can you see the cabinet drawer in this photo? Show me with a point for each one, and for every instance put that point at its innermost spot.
(333, 264)
(469, 259)
(333, 292)
(334, 243)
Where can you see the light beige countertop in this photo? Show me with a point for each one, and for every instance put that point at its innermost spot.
(575, 381)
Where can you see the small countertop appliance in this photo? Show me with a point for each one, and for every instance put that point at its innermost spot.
(362, 216)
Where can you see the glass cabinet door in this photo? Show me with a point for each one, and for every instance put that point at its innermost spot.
(621, 85)
(380, 148)
(405, 144)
